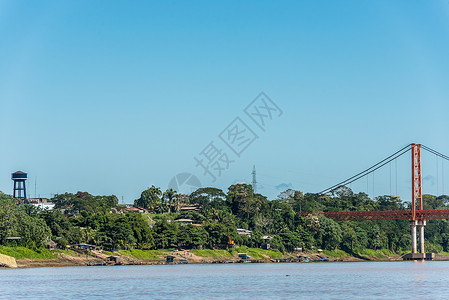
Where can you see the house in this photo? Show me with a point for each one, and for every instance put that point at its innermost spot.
(52, 245)
(136, 209)
(244, 256)
(266, 245)
(191, 207)
(114, 260)
(244, 232)
(188, 222)
(41, 203)
(185, 221)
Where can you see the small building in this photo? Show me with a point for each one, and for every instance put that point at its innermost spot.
(37, 200)
(304, 258)
(244, 256)
(169, 259)
(52, 245)
(137, 209)
(185, 221)
(244, 232)
(266, 245)
(114, 260)
(41, 203)
(191, 207)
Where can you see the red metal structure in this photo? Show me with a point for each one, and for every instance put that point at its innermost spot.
(416, 179)
(417, 217)
(413, 214)
(385, 215)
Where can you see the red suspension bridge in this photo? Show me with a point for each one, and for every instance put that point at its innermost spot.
(416, 215)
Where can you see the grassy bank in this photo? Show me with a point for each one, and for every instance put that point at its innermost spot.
(144, 254)
(209, 254)
(336, 253)
(233, 253)
(25, 253)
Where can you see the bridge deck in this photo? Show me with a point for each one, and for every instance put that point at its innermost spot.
(385, 215)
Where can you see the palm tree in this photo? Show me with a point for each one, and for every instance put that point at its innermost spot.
(170, 194)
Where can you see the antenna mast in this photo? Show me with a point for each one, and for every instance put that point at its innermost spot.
(254, 184)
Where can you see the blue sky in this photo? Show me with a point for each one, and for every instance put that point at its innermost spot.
(111, 97)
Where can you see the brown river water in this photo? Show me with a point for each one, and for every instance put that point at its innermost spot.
(342, 280)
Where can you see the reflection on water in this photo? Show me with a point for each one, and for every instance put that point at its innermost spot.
(365, 280)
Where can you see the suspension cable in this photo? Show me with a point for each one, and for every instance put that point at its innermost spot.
(396, 172)
(442, 175)
(369, 170)
(390, 178)
(438, 179)
(435, 152)
(443, 157)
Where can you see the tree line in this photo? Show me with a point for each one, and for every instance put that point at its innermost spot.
(101, 220)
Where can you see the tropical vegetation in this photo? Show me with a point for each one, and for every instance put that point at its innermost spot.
(156, 222)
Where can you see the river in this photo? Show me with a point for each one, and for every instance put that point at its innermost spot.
(360, 280)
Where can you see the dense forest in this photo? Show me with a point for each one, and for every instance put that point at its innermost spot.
(101, 220)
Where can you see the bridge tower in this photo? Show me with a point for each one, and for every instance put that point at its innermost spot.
(417, 196)
(19, 179)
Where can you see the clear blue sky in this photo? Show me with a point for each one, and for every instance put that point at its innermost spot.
(111, 97)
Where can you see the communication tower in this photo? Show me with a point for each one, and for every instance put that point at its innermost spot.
(254, 184)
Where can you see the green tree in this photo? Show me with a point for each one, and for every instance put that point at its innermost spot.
(290, 240)
(207, 197)
(375, 237)
(243, 202)
(165, 232)
(330, 233)
(150, 199)
(192, 236)
(117, 233)
(218, 234)
(141, 230)
(292, 198)
(74, 204)
(170, 196)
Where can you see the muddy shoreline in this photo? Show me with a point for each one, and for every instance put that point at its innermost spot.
(99, 259)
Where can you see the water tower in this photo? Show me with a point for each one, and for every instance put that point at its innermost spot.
(19, 178)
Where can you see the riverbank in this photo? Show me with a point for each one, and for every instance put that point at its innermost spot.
(182, 257)
(27, 258)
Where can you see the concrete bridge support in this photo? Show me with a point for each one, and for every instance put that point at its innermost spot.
(421, 225)
(413, 229)
(413, 225)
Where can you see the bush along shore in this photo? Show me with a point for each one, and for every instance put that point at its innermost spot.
(211, 226)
